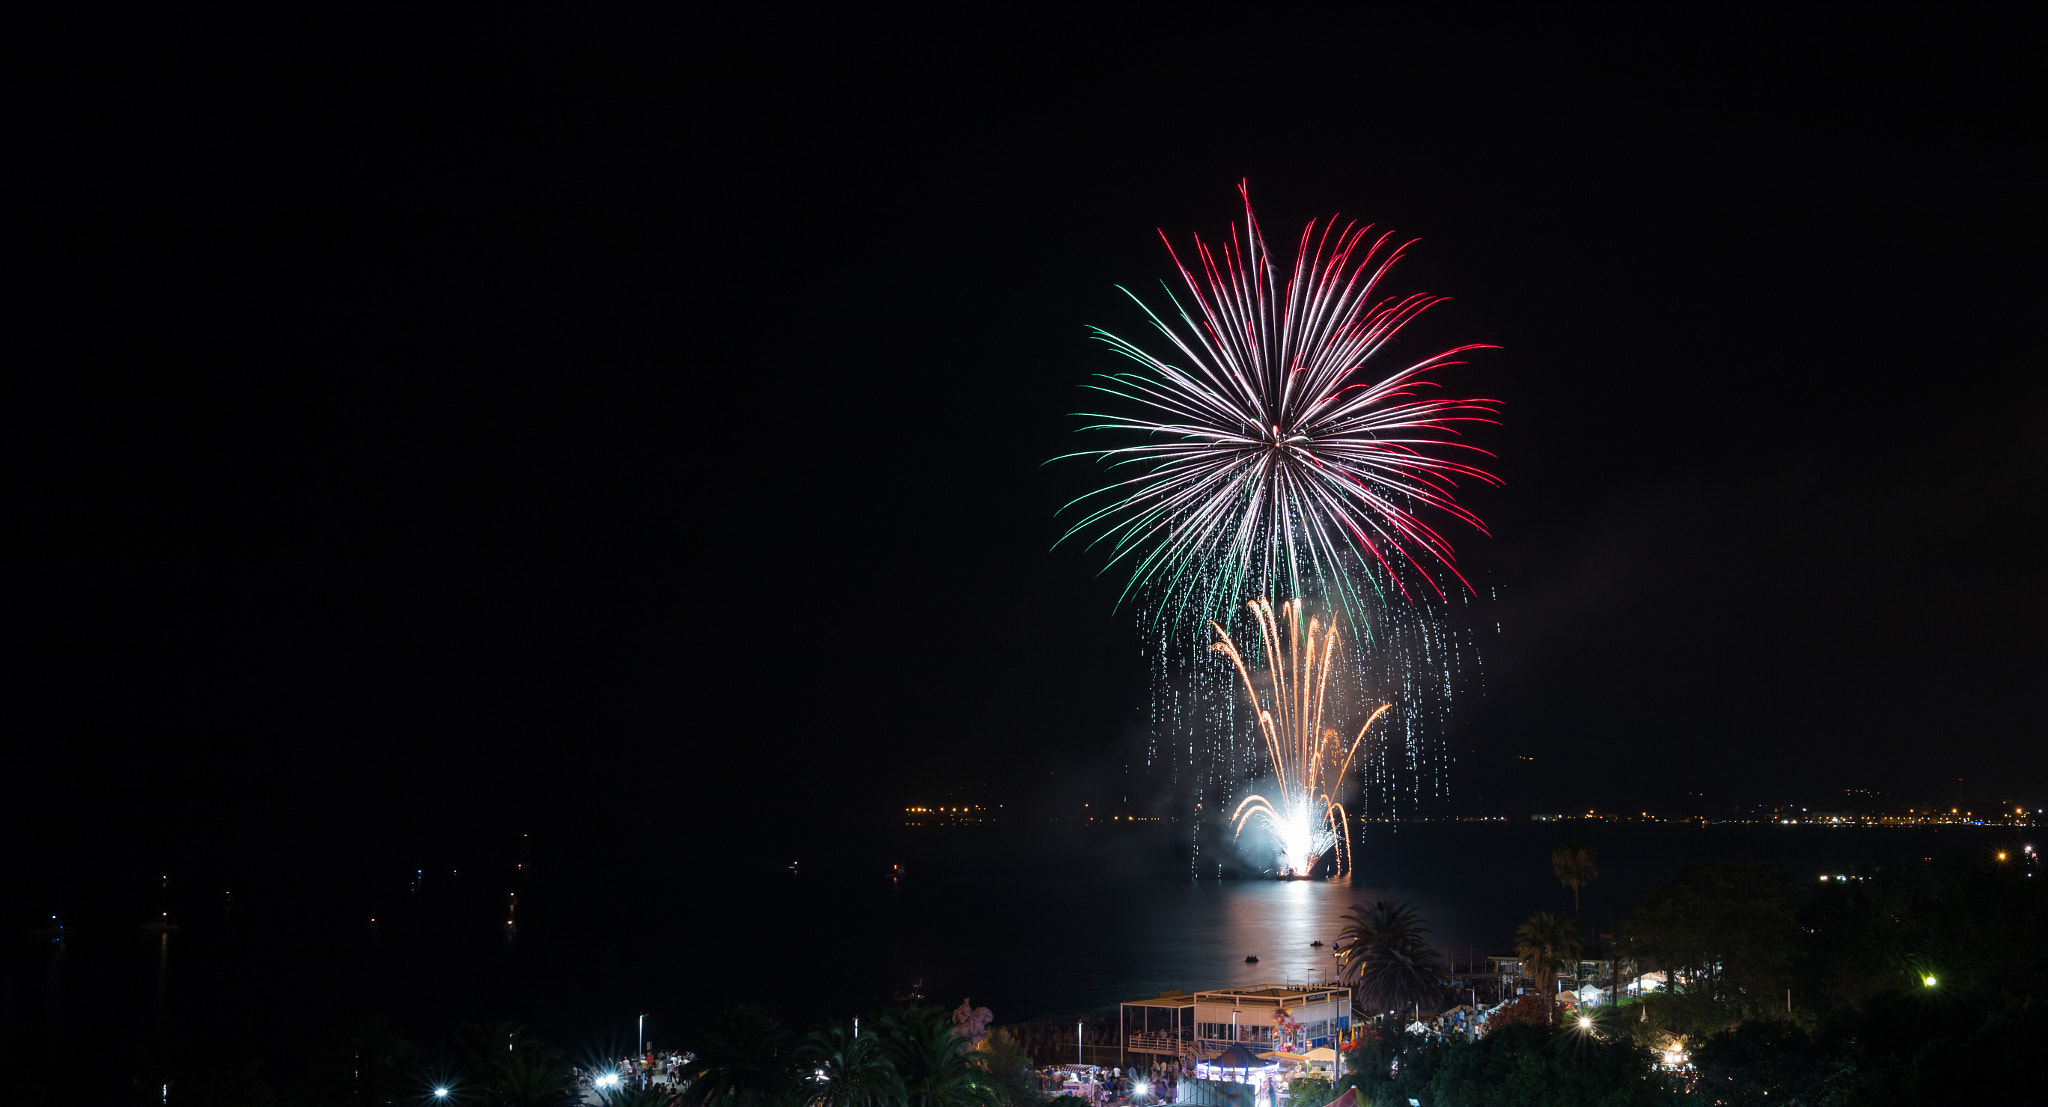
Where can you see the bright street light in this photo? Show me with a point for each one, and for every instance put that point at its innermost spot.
(1929, 981)
(440, 1093)
(1585, 1022)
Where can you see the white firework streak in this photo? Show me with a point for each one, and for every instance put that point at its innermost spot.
(1269, 449)
(1308, 769)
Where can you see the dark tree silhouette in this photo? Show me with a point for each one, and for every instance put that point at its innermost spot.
(933, 1060)
(507, 1067)
(1573, 864)
(1387, 962)
(840, 1070)
(1543, 943)
(745, 1061)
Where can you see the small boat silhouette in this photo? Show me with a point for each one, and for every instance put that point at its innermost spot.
(54, 932)
(1251, 960)
(1317, 944)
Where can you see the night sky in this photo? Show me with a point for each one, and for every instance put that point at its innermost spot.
(445, 421)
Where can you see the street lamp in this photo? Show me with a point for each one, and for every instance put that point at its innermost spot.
(643, 1031)
(440, 1093)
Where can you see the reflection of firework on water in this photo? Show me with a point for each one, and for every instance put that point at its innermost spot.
(1309, 759)
(1270, 458)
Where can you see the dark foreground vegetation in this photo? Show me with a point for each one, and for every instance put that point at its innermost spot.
(1920, 982)
(905, 1057)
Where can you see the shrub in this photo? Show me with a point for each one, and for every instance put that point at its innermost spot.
(1310, 1091)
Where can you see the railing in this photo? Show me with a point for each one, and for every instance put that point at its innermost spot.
(1094, 1054)
(1160, 1043)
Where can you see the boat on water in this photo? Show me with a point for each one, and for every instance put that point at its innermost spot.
(54, 932)
(163, 923)
(1251, 960)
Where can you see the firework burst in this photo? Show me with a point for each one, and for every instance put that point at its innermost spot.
(1272, 456)
(1309, 759)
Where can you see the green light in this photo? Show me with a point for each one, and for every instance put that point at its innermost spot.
(1929, 981)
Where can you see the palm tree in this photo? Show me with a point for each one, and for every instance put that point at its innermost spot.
(1573, 864)
(1386, 961)
(509, 1068)
(534, 1076)
(1542, 944)
(848, 1071)
(365, 1062)
(932, 1059)
(743, 1062)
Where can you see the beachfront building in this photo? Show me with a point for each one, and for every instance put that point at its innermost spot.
(1159, 1029)
(1509, 970)
(1270, 1018)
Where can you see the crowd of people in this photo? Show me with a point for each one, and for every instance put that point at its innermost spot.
(1114, 1085)
(646, 1070)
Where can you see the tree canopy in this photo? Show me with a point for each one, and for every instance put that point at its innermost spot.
(1573, 865)
(744, 1061)
(1545, 944)
(1724, 933)
(1387, 960)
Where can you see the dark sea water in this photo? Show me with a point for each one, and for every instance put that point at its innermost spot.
(1026, 923)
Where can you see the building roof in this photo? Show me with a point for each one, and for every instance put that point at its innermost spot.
(1184, 999)
(1261, 995)
(1273, 991)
